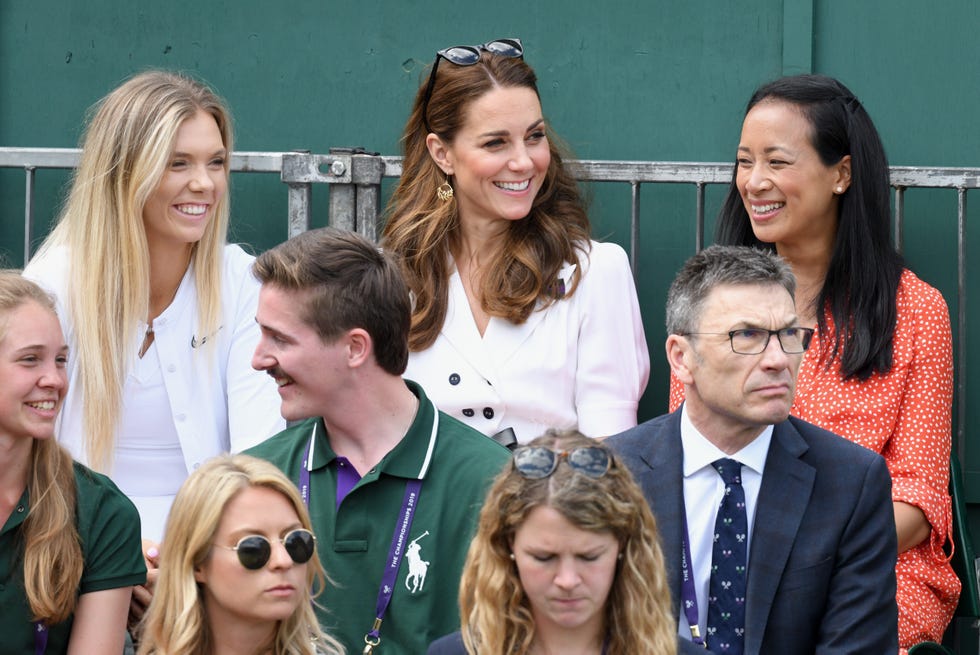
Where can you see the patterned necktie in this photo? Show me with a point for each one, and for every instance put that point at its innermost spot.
(726, 590)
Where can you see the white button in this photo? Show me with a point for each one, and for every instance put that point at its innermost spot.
(180, 417)
(171, 368)
(196, 464)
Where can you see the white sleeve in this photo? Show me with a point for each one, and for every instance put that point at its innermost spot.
(613, 363)
(254, 412)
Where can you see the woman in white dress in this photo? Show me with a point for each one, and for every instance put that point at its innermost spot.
(521, 321)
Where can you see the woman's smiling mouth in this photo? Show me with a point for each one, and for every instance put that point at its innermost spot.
(513, 186)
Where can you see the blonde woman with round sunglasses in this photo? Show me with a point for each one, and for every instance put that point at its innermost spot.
(238, 570)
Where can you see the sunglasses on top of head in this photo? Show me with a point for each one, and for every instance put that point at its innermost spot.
(254, 551)
(537, 462)
(467, 55)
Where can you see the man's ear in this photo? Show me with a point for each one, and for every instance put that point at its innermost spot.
(359, 347)
(680, 356)
(440, 153)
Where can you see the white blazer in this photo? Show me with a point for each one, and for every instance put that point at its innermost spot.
(581, 362)
(219, 403)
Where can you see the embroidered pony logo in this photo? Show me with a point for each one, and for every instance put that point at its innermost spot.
(417, 567)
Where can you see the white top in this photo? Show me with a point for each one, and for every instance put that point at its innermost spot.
(148, 439)
(217, 403)
(580, 363)
(703, 492)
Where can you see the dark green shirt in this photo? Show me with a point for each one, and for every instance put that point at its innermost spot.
(457, 465)
(109, 530)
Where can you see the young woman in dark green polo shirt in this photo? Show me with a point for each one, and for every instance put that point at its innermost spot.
(70, 540)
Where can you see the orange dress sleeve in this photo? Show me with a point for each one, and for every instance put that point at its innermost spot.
(905, 415)
(676, 392)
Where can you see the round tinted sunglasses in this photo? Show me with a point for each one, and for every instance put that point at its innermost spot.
(255, 550)
(467, 55)
(536, 462)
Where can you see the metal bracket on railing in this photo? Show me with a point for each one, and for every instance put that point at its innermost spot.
(356, 205)
(300, 170)
(354, 176)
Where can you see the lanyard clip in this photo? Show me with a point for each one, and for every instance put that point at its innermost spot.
(372, 638)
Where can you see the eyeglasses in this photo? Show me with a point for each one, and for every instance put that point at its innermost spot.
(752, 341)
(537, 462)
(255, 550)
(467, 55)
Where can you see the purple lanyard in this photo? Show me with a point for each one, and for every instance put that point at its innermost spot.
(395, 552)
(689, 596)
(40, 638)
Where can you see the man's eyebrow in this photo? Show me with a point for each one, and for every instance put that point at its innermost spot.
(750, 325)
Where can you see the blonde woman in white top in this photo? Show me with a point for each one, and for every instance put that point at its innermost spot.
(157, 309)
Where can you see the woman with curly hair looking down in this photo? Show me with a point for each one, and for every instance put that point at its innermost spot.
(566, 559)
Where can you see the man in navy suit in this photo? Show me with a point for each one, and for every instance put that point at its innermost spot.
(821, 548)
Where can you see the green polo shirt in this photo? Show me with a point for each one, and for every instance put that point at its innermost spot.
(109, 530)
(457, 465)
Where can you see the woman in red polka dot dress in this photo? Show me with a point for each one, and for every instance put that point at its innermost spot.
(812, 181)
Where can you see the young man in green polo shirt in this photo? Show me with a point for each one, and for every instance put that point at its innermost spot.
(393, 485)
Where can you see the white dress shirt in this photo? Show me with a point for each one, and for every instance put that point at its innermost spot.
(703, 492)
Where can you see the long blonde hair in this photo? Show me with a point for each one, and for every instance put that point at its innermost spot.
(125, 152)
(494, 610)
(52, 552)
(176, 623)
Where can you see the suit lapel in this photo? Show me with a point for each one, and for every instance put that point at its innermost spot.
(787, 483)
(460, 330)
(663, 487)
(501, 340)
(504, 339)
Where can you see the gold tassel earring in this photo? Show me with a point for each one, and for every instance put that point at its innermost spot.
(445, 191)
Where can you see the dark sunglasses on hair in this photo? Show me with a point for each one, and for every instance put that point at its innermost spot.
(536, 462)
(255, 550)
(467, 55)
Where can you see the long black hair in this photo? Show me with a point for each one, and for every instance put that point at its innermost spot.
(862, 280)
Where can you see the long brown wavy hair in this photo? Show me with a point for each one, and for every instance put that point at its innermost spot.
(423, 230)
(495, 613)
